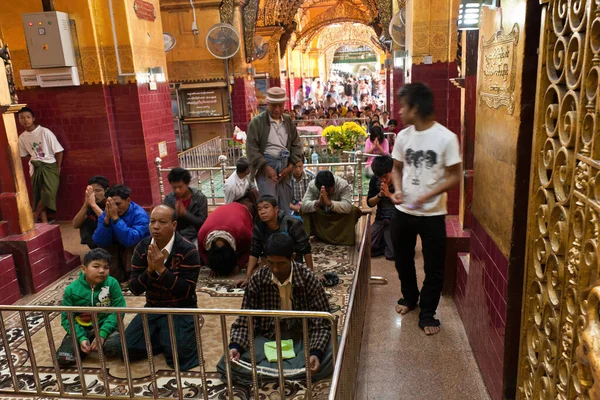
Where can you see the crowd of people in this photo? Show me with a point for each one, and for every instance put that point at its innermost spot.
(338, 101)
(273, 208)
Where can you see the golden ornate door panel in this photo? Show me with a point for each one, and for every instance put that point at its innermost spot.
(559, 332)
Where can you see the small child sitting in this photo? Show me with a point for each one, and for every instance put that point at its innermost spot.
(94, 288)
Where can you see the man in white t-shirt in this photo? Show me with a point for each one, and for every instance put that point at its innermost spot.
(44, 153)
(427, 164)
(239, 188)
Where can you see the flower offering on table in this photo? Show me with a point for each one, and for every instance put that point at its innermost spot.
(345, 137)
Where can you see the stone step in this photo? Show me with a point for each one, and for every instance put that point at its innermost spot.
(3, 229)
(71, 262)
(9, 285)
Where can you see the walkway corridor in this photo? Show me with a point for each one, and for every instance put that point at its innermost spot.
(398, 362)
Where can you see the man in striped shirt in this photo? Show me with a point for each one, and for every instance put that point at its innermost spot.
(165, 268)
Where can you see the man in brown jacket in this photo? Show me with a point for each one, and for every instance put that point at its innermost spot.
(273, 147)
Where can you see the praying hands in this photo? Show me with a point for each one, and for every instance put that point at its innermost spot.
(111, 211)
(156, 259)
(323, 199)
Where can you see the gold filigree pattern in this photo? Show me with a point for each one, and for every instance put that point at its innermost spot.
(560, 346)
(340, 13)
(249, 18)
(226, 10)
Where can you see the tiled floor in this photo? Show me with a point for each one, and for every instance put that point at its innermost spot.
(399, 362)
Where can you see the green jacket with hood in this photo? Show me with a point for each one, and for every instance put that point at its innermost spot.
(80, 294)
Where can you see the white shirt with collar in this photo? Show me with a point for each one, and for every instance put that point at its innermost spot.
(285, 290)
(235, 187)
(278, 136)
(168, 248)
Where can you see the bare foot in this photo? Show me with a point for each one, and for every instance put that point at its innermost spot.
(402, 310)
(431, 330)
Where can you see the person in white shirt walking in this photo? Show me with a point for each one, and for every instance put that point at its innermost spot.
(43, 151)
(239, 188)
(427, 164)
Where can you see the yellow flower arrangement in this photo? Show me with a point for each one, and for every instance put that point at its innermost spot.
(343, 137)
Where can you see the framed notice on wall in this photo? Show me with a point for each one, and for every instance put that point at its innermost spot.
(204, 101)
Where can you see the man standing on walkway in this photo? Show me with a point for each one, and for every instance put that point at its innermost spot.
(273, 148)
(427, 164)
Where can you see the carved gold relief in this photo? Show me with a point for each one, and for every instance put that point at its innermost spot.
(498, 70)
(342, 12)
(226, 10)
(249, 19)
(560, 345)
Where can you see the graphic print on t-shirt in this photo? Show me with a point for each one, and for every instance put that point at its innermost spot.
(418, 160)
(38, 149)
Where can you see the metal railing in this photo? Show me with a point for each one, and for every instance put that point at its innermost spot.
(14, 385)
(345, 354)
(351, 171)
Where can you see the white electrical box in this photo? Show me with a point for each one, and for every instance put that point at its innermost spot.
(49, 41)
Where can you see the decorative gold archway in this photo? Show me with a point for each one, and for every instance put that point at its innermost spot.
(339, 14)
(348, 34)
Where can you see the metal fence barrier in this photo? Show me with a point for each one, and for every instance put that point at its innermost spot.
(14, 386)
(351, 171)
(345, 355)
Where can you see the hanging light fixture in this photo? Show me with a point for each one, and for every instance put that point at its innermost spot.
(469, 15)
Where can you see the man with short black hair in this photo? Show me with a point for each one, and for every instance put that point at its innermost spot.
(328, 210)
(121, 226)
(189, 203)
(271, 220)
(165, 268)
(239, 188)
(94, 202)
(420, 196)
(39, 146)
(282, 284)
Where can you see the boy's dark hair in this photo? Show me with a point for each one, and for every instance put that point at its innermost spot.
(242, 165)
(382, 165)
(96, 255)
(280, 244)
(269, 199)
(99, 180)
(324, 178)
(26, 109)
(121, 191)
(179, 174)
(222, 259)
(392, 122)
(419, 95)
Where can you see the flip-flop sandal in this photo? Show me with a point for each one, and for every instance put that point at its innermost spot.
(331, 279)
(428, 322)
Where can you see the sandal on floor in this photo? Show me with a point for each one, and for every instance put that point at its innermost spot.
(427, 322)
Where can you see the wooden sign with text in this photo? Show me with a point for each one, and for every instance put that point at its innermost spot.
(204, 102)
(499, 70)
(144, 10)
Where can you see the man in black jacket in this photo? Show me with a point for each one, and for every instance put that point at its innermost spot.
(165, 267)
(271, 220)
(189, 203)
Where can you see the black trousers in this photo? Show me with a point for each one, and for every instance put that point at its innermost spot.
(187, 351)
(432, 231)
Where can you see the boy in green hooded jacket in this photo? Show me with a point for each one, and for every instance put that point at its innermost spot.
(94, 288)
